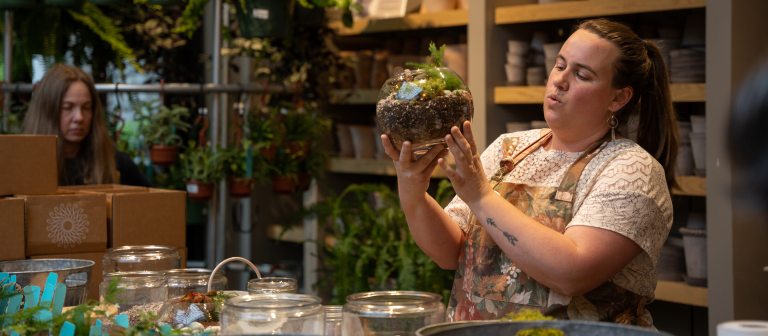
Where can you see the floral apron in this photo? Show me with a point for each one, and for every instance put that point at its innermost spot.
(488, 285)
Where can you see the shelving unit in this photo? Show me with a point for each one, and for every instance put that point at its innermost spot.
(585, 9)
(681, 93)
(680, 292)
(453, 18)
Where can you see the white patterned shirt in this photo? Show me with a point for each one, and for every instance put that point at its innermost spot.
(623, 189)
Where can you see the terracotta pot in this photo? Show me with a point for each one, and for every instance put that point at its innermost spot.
(268, 152)
(283, 184)
(240, 187)
(199, 191)
(162, 155)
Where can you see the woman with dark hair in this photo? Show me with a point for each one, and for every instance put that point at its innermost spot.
(65, 103)
(573, 217)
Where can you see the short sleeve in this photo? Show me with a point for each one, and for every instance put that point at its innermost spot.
(629, 196)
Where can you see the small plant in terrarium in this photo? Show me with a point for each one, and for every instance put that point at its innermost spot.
(421, 104)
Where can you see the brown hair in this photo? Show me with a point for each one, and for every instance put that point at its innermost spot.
(97, 152)
(641, 67)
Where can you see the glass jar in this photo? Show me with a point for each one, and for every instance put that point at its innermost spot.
(136, 288)
(391, 312)
(185, 280)
(333, 314)
(273, 314)
(267, 285)
(421, 106)
(141, 258)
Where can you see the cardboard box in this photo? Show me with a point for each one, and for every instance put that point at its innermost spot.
(12, 229)
(29, 165)
(96, 271)
(68, 223)
(105, 188)
(145, 216)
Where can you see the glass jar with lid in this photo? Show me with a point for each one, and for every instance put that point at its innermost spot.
(185, 280)
(391, 312)
(141, 258)
(136, 288)
(268, 285)
(273, 314)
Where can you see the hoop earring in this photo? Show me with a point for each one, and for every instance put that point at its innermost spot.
(613, 122)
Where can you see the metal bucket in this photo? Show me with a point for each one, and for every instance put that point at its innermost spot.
(75, 273)
(569, 327)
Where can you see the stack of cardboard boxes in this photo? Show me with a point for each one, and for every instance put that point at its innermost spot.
(39, 219)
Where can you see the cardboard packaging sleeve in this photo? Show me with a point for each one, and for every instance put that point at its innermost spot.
(12, 242)
(29, 165)
(65, 223)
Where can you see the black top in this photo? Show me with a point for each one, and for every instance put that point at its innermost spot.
(129, 172)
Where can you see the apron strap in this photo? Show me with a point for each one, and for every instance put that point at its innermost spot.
(508, 163)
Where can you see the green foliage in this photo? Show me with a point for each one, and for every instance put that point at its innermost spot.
(103, 26)
(158, 125)
(439, 78)
(190, 18)
(202, 163)
(284, 165)
(369, 245)
(235, 160)
(347, 7)
(82, 316)
(262, 127)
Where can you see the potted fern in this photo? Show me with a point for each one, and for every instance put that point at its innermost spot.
(284, 172)
(160, 130)
(202, 166)
(239, 165)
(263, 133)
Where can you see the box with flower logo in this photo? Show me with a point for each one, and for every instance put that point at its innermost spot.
(65, 223)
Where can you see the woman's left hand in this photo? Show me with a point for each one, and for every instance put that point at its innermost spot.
(468, 177)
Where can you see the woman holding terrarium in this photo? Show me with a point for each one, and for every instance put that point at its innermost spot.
(569, 220)
(65, 103)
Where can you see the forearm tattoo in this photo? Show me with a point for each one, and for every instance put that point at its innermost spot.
(510, 237)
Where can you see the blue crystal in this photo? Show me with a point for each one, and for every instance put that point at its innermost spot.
(408, 91)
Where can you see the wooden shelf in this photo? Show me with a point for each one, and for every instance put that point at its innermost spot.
(681, 292)
(690, 186)
(589, 8)
(295, 234)
(452, 18)
(355, 96)
(681, 93)
(368, 167)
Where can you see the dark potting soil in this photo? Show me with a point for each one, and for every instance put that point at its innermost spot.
(423, 122)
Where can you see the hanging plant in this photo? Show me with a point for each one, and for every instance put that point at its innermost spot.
(202, 167)
(159, 127)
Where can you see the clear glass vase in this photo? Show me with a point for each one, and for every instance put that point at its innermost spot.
(421, 106)
(141, 258)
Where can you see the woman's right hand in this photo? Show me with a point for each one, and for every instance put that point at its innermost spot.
(412, 175)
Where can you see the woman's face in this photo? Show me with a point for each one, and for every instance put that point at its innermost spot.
(76, 114)
(579, 94)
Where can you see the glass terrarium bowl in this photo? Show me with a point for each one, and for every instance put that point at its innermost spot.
(421, 106)
(386, 313)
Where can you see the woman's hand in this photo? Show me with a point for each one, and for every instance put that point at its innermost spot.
(468, 178)
(412, 175)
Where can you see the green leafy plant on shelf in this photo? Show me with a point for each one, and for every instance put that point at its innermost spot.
(367, 245)
(202, 163)
(438, 78)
